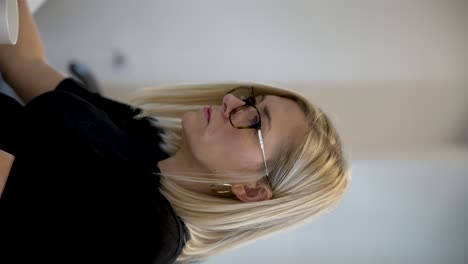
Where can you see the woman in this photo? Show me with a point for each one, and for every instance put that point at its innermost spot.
(192, 172)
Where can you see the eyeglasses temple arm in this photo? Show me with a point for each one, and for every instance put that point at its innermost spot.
(259, 131)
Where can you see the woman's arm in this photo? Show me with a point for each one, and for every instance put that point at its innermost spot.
(24, 65)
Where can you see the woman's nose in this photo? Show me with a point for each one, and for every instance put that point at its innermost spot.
(230, 102)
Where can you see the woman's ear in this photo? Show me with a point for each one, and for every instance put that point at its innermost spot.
(252, 192)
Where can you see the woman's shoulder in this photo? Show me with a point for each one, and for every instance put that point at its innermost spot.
(69, 90)
(97, 121)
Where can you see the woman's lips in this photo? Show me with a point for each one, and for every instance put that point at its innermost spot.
(207, 111)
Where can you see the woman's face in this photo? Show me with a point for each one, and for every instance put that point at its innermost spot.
(220, 147)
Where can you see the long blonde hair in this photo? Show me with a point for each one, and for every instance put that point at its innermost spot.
(308, 177)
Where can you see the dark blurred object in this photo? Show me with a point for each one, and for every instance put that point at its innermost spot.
(83, 73)
(119, 59)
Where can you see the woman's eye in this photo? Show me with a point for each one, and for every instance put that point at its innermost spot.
(254, 120)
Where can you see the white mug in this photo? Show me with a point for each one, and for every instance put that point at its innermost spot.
(9, 22)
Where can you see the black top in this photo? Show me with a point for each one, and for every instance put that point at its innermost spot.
(83, 185)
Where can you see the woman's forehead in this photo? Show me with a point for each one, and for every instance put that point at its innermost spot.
(287, 119)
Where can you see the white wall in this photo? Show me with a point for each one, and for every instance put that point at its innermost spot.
(34, 5)
(263, 40)
(396, 211)
(391, 74)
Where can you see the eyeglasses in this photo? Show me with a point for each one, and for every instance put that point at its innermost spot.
(247, 116)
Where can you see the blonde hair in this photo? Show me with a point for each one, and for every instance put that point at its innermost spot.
(308, 177)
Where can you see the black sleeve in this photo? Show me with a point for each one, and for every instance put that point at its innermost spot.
(122, 115)
(12, 118)
(119, 112)
(106, 126)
